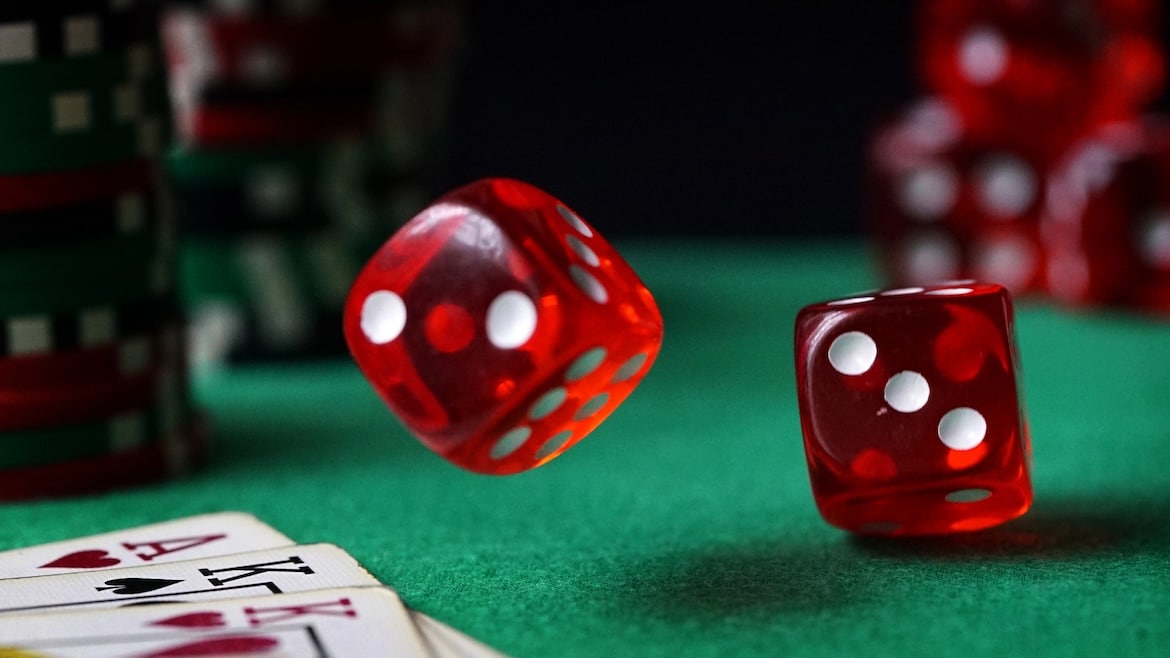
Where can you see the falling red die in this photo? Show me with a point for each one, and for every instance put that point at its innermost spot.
(500, 327)
(935, 441)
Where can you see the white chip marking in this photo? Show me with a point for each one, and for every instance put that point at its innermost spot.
(82, 35)
(962, 428)
(902, 291)
(98, 326)
(852, 353)
(127, 103)
(18, 42)
(907, 391)
(72, 112)
(510, 442)
(140, 61)
(588, 284)
(983, 55)
(1005, 186)
(150, 137)
(592, 406)
(968, 495)
(548, 403)
(131, 212)
(383, 316)
(582, 250)
(511, 320)
(585, 364)
(574, 221)
(30, 335)
(555, 443)
(630, 368)
(928, 193)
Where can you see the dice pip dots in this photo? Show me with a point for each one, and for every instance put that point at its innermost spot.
(911, 411)
(500, 328)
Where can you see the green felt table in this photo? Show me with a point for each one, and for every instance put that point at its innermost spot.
(684, 526)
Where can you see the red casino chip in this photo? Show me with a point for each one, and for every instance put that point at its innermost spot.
(275, 49)
(171, 457)
(127, 357)
(58, 188)
(241, 126)
(60, 405)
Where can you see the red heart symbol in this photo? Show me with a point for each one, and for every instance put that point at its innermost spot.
(83, 560)
(194, 620)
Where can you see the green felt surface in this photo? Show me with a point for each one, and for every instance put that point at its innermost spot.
(684, 525)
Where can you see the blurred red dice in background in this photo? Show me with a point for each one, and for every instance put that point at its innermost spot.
(948, 205)
(1041, 71)
(1107, 220)
(500, 327)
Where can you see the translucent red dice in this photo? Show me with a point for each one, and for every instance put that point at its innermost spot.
(1041, 71)
(911, 412)
(501, 328)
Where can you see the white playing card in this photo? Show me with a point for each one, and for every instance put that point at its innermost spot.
(256, 573)
(446, 642)
(349, 622)
(182, 539)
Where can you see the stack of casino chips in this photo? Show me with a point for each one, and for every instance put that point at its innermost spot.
(92, 372)
(1031, 163)
(307, 132)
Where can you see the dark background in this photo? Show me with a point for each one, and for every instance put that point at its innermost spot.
(680, 118)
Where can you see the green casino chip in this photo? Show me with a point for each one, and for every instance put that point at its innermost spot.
(80, 110)
(206, 166)
(72, 290)
(26, 155)
(77, 260)
(139, 62)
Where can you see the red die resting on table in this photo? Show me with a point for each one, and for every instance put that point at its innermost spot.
(1107, 219)
(911, 410)
(947, 205)
(1042, 71)
(500, 327)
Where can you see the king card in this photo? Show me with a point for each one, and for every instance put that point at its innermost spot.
(366, 621)
(241, 575)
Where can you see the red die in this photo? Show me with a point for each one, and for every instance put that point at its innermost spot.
(1041, 71)
(947, 205)
(500, 327)
(911, 412)
(1107, 219)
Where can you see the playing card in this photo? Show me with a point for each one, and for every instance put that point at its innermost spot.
(348, 622)
(446, 642)
(182, 539)
(256, 573)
